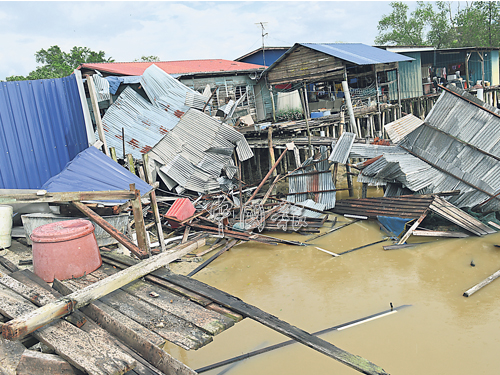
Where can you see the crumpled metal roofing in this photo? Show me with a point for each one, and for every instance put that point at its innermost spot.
(301, 181)
(143, 123)
(460, 146)
(189, 152)
(101, 87)
(398, 129)
(342, 148)
(92, 170)
(357, 53)
(301, 211)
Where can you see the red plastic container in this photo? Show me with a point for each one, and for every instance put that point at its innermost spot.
(65, 250)
(181, 209)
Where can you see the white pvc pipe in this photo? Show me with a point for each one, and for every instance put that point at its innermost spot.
(348, 103)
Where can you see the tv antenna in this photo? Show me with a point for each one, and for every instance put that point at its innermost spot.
(262, 25)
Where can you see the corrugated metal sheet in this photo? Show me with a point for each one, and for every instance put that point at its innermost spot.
(342, 148)
(300, 211)
(304, 181)
(189, 154)
(458, 148)
(101, 87)
(91, 170)
(410, 78)
(357, 53)
(42, 128)
(173, 67)
(367, 151)
(143, 123)
(398, 129)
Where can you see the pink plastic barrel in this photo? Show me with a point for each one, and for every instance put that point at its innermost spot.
(65, 250)
(181, 209)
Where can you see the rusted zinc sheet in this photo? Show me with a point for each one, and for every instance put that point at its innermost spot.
(411, 206)
(315, 182)
(193, 154)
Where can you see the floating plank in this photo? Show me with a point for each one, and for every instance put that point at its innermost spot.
(482, 284)
(77, 347)
(23, 325)
(209, 321)
(358, 363)
(402, 246)
(32, 362)
(437, 233)
(228, 246)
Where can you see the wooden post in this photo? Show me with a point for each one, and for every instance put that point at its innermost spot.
(306, 115)
(97, 114)
(467, 69)
(364, 190)
(27, 323)
(112, 151)
(272, 103)
(342, 123)
(131, 165)
(140, 229)
(154, 203)
(399, 93)
(349, 179)
(272, 160)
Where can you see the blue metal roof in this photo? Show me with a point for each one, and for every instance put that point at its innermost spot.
(91, 170)
(41, 128)
(357, 53)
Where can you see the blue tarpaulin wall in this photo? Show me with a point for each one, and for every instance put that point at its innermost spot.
(91, 170)
(396, 225)
(42, 128)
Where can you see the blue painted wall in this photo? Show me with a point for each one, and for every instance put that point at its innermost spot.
(41, 129)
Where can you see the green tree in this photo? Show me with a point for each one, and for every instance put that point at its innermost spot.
(57, 63)
(400, 29)
(478, 24)
(148, 59)
(442, 31)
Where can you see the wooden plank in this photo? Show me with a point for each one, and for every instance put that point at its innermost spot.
(71, 343)
(97, 114)
(111, 259)
(32, 362)
(23, 325)
(358, 363)
(412, 228)
(140, 229)
(11, 267)
(437, 233)
(482, 284)
(10, 356)
(47, 197)
(171, 328)
(209, 321)
(228, 246)
(226, 312)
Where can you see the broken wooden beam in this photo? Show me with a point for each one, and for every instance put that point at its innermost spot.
(115, 233)
(482, 284)
(23, 325)
(332, 230)
(233, 303)
(32, 362)
(45, 197)
(228, 246)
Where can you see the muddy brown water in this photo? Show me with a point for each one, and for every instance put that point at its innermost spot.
(441, 333)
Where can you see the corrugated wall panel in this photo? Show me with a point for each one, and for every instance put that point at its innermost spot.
(410, 75)
(41, 129)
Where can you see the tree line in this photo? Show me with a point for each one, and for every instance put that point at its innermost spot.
(441, 24)
(438, 24)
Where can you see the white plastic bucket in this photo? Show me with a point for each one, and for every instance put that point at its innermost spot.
(5, 226)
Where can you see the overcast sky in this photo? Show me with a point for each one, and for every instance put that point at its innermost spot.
(127, 30)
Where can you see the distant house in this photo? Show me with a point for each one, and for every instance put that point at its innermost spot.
(472, 63)
(321, 68)
(234, 79)
(263, 56)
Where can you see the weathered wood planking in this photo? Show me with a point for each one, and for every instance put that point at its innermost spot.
(170, 327)
(79, 348)
(79, 319)
(23, 325)
(10, 356)
(358, 363)
(33, 362)
(305, 64)
(209, 321)
(123, 261)
(144, 341)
